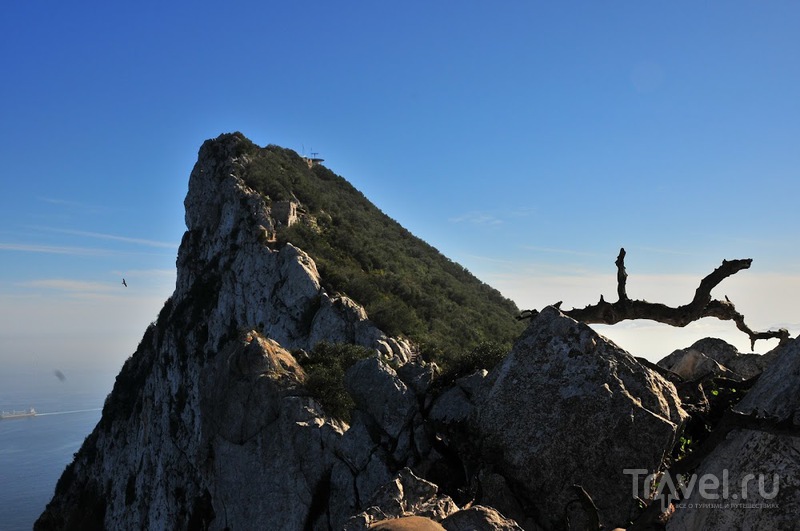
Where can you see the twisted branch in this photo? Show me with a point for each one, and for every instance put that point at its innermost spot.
(702, 305)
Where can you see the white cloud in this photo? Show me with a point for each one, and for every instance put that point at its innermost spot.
(70, 286)
(83, 207)
(56, 249)
(113, 237)
(156, 275)
(555, 250)
(477, 218)
(663, 250)
(140, 282)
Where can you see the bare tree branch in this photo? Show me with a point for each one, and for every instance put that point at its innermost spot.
(702, 305)
(622, 276)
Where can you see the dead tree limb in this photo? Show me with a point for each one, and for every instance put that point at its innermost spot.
(702, 305)
(622, 275)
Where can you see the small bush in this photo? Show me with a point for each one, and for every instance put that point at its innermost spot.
(325, 368)
(485, 355)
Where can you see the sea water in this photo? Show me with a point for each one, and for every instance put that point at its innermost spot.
(35, 450)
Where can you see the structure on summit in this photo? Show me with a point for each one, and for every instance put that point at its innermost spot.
(313, 160)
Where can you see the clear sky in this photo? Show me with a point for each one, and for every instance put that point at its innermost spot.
(528, 141)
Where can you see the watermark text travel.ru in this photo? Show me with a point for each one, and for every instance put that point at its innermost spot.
(709, 487)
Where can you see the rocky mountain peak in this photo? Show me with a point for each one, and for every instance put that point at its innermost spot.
(229, 243)
(212, 423)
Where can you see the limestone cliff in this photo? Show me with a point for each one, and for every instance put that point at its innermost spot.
(208, 423)
(211, 423)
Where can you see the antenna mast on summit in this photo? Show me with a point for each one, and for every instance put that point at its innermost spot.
(312, 160)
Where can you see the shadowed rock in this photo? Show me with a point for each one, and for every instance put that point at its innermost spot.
(567, 407)
(757, 464)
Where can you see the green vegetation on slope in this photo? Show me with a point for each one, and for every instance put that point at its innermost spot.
(325, 367)
(407, 287)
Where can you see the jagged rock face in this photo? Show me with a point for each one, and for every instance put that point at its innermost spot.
(567, 407)
(777, 392)
(761, 464)
(211, 444)
(404, 495)
(386, 434)
(208, 425)
(224, 253)
(379, 393)
(408, 502)
(456, 404)
(715, 357)
(271, 449)
(752, 482)
(691, 364)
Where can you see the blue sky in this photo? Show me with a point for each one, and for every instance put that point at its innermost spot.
(526, 140)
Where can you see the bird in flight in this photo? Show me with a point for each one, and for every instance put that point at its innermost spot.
(124, 283)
